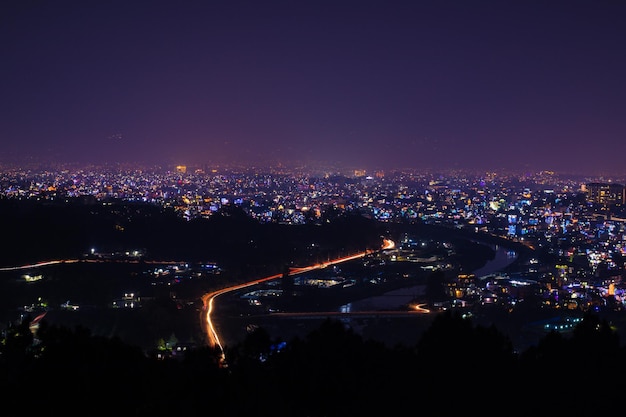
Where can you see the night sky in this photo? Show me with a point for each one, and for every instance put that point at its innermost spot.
(528, 85)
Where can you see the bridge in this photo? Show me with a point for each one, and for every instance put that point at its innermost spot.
(354, 314)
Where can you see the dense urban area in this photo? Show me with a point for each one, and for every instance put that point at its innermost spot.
(566, 233)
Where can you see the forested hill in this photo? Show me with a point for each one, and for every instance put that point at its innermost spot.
(36, 231)
(455, 368)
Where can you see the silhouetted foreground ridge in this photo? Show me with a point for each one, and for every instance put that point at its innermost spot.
(456, 367)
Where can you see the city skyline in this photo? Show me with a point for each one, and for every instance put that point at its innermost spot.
(379, 85)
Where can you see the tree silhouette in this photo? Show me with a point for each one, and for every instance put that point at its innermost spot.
(456, 366)
(436, 290)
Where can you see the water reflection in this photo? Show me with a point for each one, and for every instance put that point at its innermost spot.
(503, 258)
(399, 298)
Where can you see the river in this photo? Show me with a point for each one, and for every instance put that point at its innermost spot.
(391, 331)
(398, 298)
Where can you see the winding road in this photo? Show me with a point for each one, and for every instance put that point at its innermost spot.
(208, 299)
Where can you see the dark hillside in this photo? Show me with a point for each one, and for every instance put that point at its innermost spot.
(35, 231)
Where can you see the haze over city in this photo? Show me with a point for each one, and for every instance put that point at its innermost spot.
(371, 84)
(166, 250)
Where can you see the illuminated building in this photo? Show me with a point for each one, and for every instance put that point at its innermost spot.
(604, 193)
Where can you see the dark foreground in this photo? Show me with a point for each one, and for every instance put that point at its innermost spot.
(456, 367)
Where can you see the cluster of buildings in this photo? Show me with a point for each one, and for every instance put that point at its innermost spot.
(578, 221)
(511, 204)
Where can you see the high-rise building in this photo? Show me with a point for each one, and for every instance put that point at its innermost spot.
(605, 193)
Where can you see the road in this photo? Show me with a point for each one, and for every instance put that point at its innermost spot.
(39, 264)
(209, 298)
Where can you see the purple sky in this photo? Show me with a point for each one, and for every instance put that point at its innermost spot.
(373, 84)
